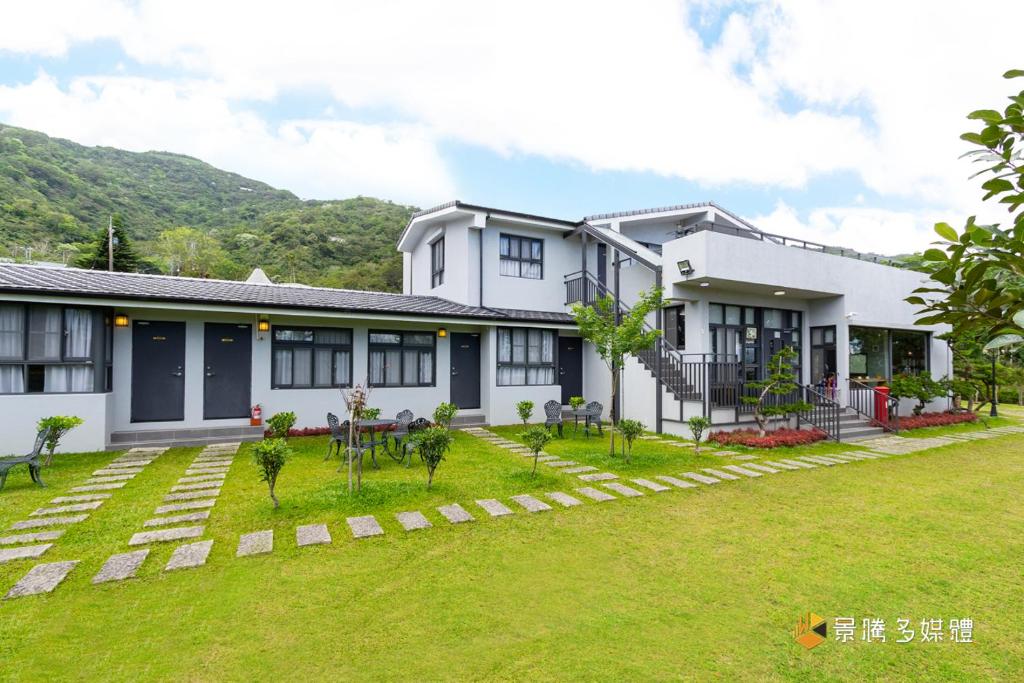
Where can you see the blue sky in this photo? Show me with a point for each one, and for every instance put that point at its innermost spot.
(781, 112)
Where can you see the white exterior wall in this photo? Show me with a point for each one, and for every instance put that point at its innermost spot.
(561, 257)
(22, 412)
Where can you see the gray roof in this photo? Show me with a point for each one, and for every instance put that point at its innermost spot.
(26, 279)
(676, 207)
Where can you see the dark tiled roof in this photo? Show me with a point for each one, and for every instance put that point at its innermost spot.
(676, 207)
(102, 284)
(533, 316)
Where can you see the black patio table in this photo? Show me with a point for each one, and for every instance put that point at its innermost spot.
(374, 428)
(586, 415)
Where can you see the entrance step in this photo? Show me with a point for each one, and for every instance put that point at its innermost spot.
(472, 420)
(199, 436)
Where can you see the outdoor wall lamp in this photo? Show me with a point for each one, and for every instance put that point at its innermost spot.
(263, 325)
(779, 292)
(442, 332)
(120, 320)
(685, 268)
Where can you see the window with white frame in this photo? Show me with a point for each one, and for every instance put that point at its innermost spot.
(521, 257)
(401, 359)
(311, 358)
(526, 356)
(48, 348)
(437, 262)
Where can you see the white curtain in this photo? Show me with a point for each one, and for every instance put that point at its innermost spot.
(410, 368)
(509, 267)
(540, 376)
(342, 376)
(302, 367)
(322, 371)
(531, 270)
(44, 333)
(533, 346)
(547, 349)
(376, 367)
(12, 379)
(80, 378)
(504, 346)
(12, 332)
(282, 368)
(426, 367)
(519, 345)
(393, 367)
(78, 333)
(55, 379)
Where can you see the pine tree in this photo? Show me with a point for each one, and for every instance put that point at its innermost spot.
(125, 258)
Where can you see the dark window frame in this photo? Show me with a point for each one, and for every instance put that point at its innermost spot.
(292, 345)
(519, 259)
(402, 347)
(437, 262)
(526, 364)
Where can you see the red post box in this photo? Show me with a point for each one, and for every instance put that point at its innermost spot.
(882, 404)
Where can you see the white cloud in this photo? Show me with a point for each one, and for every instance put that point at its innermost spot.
(322, 158)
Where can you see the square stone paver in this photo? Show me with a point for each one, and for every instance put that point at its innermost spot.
(564, 499)
(595, 494)
(544, 458)
(210, 465)
(531, 504)
(163, 535)
(797, 463)
(779, 465)
(48, 521)
(811, 459)
(99, 487)
(191, 505)
(42, 578)
(678, 483)
(627, 491)
(197, 486)
(561, 463)
(133, 464)
(723, 454)
(720, 474)
(192, 473)
(580, 469)
(188, 556)
(192, 495)
(312, 534)
(121, 475)
(8, 554)
(59, 500)
(701, 478)
(494, 508)
(598, 476)
(202, 477)
(741, 470)
(455, 513)
(412, 521)
(255, 543)
(652, 485)
(61, 509)
(121, 567)
(761, 468)
(35, 537)
(177, 519)
(365, 526)
(745, 457)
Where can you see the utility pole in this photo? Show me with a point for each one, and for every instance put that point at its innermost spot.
(110, 244)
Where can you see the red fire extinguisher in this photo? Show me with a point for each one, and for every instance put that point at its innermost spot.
(256, 418)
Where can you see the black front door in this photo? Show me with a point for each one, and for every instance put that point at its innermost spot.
(465, 363)
(570, 367)
(158, 371)
(227, 364)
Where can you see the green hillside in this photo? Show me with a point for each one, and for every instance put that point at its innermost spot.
(188, 217)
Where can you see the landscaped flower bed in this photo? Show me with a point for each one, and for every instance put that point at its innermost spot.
(936, 420)
(775, 439)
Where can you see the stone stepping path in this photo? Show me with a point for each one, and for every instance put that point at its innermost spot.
(780, 465)
(561, 463)
(652, 485)
(32, 538)
(826, 459)
(62, 509)
(23, 552)
(256, 543)
(814, 461)
(741, 470)
(365, 526)
(411, 521)
(678, 483)
(312, 534)
(113, 475)
(564, 499)
(192, 495)
(177, 519)
(455, 513)
(42, 578)
(761, 468)
(99, 487)
(600, 476)
(198, 486)
(494, 507)
(189, 556)
(202, 478)
(48, 521)
(624, 490)
(580, 469)
(797, 463)
(720, 474)
(121, 567)
(191, 505)
(724, 454)
(702, 478)
(163, 535)
(595, 494)
(531, 504)
(745, 457)
(80, 499)
(544, 458)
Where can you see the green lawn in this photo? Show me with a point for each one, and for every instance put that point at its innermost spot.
(700, 583)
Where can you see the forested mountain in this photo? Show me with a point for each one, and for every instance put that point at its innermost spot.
(188, 217)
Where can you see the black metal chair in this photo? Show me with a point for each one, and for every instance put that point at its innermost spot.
(594, 410)
(416, 425)
(337, 436)
(399, 434)
(553, 415)
(32, 460)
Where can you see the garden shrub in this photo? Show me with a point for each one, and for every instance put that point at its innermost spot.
(280, 424)
(698, 424)
(444, 413)
(936, 420)
(630, 430)
(773, 439)
(576, 402)
(536, 437)
(371, 413)
(59, 426)
(525, 410)
(432, 444)
(270, 456)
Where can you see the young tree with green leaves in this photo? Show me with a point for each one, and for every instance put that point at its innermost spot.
(444, 413)
(270, 456)
(631, 430)
(525, 411)
(281, 423)
(781, 380)
(433, 443)
(59, 425)
(698, 424)
(920, 387)
(614, 337)
(189, 252)
(536, 438)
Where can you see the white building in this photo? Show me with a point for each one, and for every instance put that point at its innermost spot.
(483, 322)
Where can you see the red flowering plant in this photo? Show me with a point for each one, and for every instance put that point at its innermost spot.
(936, 420)
(774, 439)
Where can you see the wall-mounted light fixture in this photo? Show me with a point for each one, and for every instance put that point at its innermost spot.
(442, 332)
(779, 292)
(263, 325)
(705, 284)
(120, 320)
(684, 267)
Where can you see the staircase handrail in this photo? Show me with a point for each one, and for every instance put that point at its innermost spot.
(892, 405)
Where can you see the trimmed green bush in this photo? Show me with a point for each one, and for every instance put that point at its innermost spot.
(698, 424)
(444, 413)
(525, 410)
(270, 456)
(536, 437)
(630, 429)
(280, 424)
(59, 426)
(432, 443)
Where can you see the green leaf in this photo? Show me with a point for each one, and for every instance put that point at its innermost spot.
(1018, 319)
(1014, 73)
(1004, 340)
(946, 231)
(987, 115)
(935, 255)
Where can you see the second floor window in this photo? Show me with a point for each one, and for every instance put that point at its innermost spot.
(437, 262)
(311, 357)
(521, 257)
